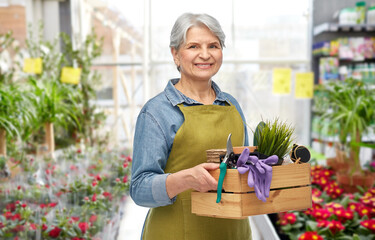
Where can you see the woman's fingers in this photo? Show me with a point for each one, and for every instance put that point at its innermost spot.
(201, 180)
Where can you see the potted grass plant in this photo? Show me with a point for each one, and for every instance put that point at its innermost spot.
(350, 110)
(274, 137)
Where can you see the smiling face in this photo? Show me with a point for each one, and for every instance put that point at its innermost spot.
(200, 57)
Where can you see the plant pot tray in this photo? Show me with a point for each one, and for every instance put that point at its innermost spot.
(290, 190)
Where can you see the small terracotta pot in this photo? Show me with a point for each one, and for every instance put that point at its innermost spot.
(336, 165)
(349, 182)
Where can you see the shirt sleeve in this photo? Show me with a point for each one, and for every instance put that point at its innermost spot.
(150, 155)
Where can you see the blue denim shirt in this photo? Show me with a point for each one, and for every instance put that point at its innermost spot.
(157, 124)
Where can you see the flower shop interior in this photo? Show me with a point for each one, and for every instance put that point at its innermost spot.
(75, 74)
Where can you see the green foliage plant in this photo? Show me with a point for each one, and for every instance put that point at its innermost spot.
(8, 50)
(351, 109)
(82, 57)
(275, 138)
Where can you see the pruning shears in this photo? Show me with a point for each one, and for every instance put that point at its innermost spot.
(223, 167)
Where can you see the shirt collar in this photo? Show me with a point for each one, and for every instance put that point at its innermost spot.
(176, 97)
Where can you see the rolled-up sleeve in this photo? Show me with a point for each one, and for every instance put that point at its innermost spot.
(150, 155)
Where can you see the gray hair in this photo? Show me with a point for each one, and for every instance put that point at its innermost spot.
(188, 20)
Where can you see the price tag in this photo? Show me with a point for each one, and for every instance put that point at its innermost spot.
(281, 78)
(71, 75)
(304, 85)
(33, 65)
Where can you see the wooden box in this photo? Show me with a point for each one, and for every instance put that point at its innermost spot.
(290, 190)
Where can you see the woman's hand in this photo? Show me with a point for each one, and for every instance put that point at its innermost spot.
(197, 178)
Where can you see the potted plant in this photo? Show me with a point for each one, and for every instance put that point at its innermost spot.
(51, 107)
(350, 111)
(274, 138)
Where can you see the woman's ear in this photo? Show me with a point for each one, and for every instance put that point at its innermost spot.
(176, 58)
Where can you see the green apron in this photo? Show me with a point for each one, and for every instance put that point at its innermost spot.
(205, 127)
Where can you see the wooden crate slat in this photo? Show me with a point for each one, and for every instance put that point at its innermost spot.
(204, 204)
(290, 175)
(237, 206)
(279, 201)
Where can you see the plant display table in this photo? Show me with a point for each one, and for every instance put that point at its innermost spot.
(78, 195)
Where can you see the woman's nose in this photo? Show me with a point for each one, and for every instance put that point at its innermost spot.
(204, 53)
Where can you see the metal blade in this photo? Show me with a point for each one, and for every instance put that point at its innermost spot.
(229, 148)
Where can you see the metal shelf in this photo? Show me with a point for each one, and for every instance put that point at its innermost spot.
(335, 27)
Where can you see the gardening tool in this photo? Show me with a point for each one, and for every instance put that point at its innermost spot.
(299, 154)
(223, 167)
(260, 172)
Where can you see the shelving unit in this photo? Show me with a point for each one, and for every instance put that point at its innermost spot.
(325, 29)
(335, 27)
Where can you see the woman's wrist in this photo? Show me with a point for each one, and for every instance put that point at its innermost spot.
(177, 183)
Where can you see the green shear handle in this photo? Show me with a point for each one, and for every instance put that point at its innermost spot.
(223, 171)
(223, 168)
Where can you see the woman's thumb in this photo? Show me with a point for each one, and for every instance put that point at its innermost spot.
(211, 166)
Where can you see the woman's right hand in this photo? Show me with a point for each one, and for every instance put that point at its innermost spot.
(197, 178)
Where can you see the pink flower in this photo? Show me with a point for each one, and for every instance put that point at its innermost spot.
(288, 218)
(8, 215)
(83, 226)
(73, 167)
(16, 216)
(93, 218)
(11, 207)
(321, 214)
(44, 227)
(55, 232)
(75, 219)
(94, 183)
(323, 223)
(369, 224)
(107, 195)
(52, 204)
(93, 197)
(33, 226)
(125, 179)
(310, 236)
(335, 226)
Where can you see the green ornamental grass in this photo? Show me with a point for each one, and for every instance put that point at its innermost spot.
(275, 138)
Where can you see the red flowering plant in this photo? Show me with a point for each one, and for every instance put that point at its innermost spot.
(334, 215)
(70, 197)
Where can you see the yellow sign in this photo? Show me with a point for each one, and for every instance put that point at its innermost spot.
(70, 75)
(33, 65)
(281, 78)
(304, 85)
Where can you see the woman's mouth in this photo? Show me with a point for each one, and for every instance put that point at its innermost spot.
(203, 65)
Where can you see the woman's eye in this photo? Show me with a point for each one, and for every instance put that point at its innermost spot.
(214, 46)
(192, 46)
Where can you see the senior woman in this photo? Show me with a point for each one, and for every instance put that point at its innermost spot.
(173, 131)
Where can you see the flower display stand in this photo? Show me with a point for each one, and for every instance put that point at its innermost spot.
(290, 190)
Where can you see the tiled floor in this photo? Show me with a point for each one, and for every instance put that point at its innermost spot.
(132, 221)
